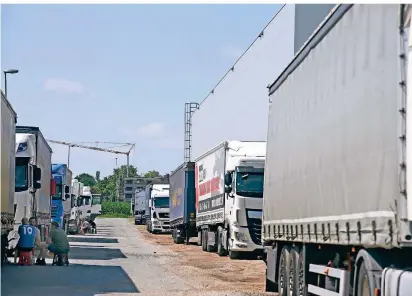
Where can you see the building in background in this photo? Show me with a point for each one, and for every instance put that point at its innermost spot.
(237, 108)
(134, 185)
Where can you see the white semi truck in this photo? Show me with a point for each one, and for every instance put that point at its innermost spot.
(74, 222)
(157, 208)
(337, 207)
(33, 178)
(8, 154)
(229, 191)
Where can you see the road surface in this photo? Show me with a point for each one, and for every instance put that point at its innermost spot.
(123, 260)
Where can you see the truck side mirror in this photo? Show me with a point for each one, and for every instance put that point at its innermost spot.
(67, 196)
(36, 177)
(67, 190)
(228, 189)
(228, 179)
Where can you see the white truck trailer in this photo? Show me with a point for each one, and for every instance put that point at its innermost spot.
(33, 178)
(337, 219)
(8, 154)
(229, 191)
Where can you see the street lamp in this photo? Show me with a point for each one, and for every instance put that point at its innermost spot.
(10, 71)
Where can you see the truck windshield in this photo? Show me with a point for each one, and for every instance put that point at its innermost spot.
(21, 178)
(85, 200)
(249, 184)
(97, 200)
(162, 202)
(58, 195)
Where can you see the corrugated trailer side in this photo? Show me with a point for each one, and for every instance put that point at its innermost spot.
(177, 196)
(8, 158)
(335, 208)
(332, 166)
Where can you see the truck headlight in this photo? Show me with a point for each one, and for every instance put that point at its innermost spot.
(156, 223)
(241, 237)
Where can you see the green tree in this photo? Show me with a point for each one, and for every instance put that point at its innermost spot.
(152, 174)
(86, 179)
(97, 176)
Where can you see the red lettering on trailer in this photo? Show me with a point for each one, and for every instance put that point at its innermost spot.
(209, 186)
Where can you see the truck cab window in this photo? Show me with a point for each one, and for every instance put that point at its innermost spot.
(21, 174)
(161, 202)
(249, 184)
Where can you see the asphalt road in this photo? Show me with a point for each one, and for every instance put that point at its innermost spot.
(115, 261)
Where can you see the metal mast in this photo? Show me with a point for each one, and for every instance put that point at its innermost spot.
(190, 108)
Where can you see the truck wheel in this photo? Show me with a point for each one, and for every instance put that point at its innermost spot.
(294, 272)
(220, 249)
(204, 239)
(364, 284)
(302, 267)
(283, 275)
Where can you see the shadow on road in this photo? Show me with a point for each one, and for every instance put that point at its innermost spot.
(90, 253)
(76, 279)
(92, 239)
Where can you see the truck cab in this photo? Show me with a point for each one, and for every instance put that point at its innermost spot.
(158, 204)
(33, 178)
(85, 204)
(244, 201)
(61, 199)
(96, 209)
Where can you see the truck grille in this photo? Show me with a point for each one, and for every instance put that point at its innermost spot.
(54, 211)
(163, 215)
(255, 230)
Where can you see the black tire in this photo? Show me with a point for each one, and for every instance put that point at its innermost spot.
(204, 239)
(135, 222)
(283, 274)
(364, 283)
(232, 254)
(294, 272)
(302, 281)
(221, 251)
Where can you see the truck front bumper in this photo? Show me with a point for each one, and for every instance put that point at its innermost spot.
(161, 227)
(242, 241)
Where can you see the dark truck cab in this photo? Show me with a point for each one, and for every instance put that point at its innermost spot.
(183, 203)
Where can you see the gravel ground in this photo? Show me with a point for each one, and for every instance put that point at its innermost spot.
(122, 259)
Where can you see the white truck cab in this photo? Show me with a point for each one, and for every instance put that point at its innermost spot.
(157, 196)
(229, 191)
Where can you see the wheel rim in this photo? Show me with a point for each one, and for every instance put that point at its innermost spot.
(291, 276)
(301, 280)
(282, 275)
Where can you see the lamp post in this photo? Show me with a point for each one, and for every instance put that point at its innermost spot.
(10, 71)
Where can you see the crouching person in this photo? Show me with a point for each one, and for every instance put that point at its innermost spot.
(59, 244)
(40, 248)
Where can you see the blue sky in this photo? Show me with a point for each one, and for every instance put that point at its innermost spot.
(120, 73)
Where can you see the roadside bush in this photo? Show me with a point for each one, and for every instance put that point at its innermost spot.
(116, 209)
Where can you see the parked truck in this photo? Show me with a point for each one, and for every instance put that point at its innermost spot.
(85, 204)
(33, 178)
(157, 208)
(229, 191)
(139, 208)
(96, 209)
(183, 203)
(8, 154)
(74, 222)
(61, 200)
(337, 212)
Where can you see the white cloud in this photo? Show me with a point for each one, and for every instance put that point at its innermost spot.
(155, 129)
(63, 86)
